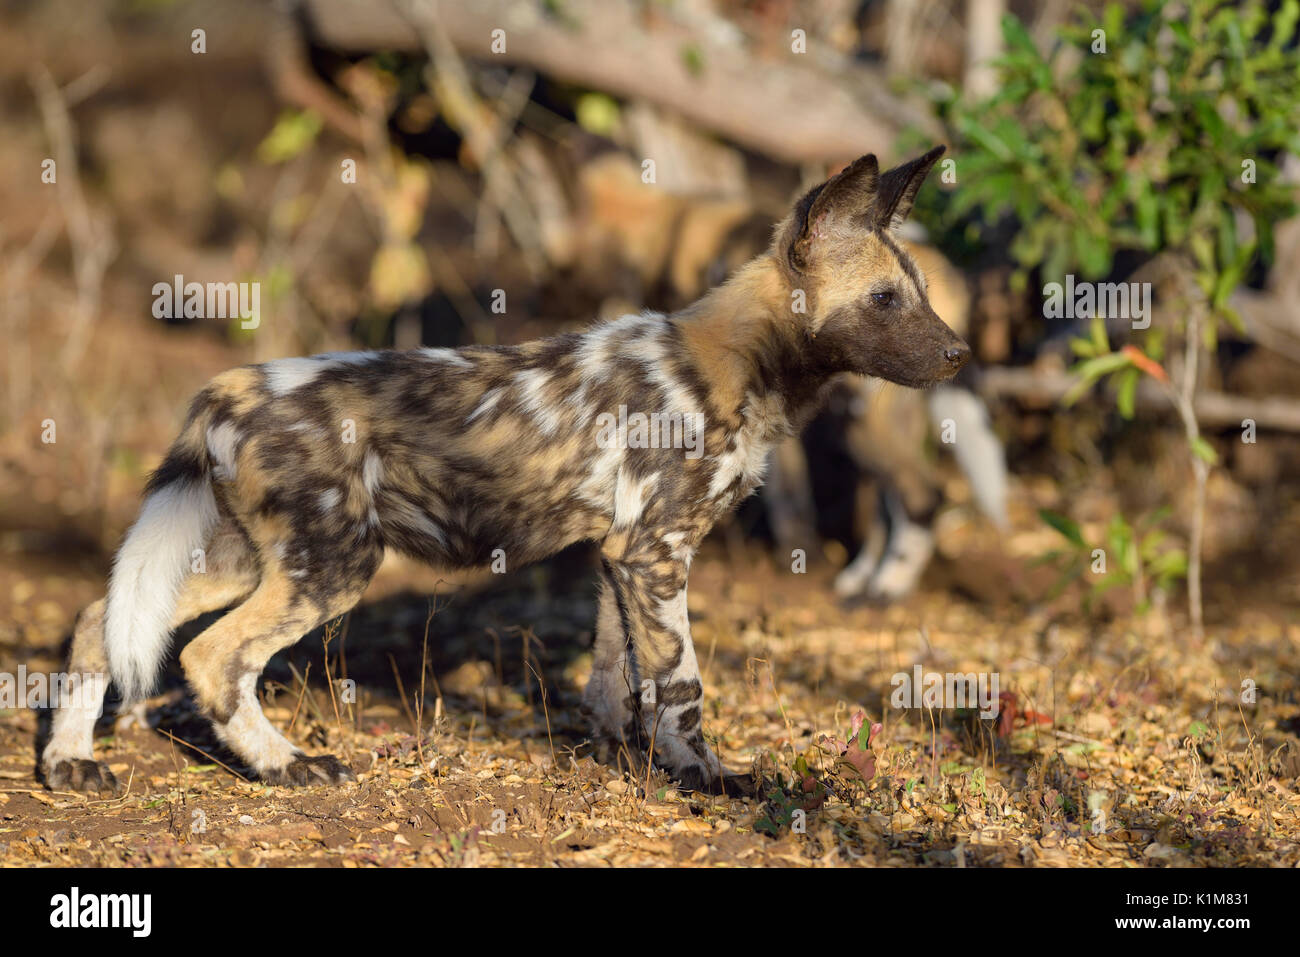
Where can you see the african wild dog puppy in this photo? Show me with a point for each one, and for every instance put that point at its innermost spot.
(456, 453)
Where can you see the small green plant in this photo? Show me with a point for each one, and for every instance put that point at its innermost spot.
(829, 767)
(1125, 367)
(1136, 555)
(1151, 132)
(1144, 133)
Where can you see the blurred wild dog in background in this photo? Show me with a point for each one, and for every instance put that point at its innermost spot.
(885, 434)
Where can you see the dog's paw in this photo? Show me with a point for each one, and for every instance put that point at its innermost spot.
(852, 582)
(81, 774)
(307, 770)
(620, 747)
(727, 783)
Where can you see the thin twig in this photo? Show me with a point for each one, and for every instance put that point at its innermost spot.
(194, 747)
(93, 245)
(301, 692)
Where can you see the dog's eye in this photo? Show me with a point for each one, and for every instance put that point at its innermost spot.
(882, 298)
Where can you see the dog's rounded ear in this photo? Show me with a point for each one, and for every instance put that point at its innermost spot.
(848, 195)
(898, 189)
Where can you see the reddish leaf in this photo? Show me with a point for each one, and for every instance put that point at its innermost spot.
(861, 759)
(1007, 711)
(1144, 362)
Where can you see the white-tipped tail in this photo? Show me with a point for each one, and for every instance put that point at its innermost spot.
(147, 575)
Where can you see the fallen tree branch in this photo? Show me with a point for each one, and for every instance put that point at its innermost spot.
(1270, 319)
(1213, 409)
(798, 108)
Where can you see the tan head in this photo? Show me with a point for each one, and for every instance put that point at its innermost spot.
(866, 306)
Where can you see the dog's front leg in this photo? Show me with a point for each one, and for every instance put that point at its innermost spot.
(650, 596)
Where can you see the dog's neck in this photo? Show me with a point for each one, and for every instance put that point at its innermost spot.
(752, 349)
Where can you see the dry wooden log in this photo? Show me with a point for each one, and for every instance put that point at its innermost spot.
(1213, 409)
(797, 107)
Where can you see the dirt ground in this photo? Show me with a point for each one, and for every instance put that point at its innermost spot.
(1129, 744)
(1128, 726)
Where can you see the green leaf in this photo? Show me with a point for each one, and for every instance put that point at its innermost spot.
(1094, 369)
(1066, 526)
(1094, 254)
(1107, 582)
(293, 133)
(1126, 397)
(1071, 574)
(597, 113)
(1100, 341)
(1147, 210)
(1204, 450)
(693, 59)
(1090, 370)
(1284, 24)
(1169, 565)
(1234, 319)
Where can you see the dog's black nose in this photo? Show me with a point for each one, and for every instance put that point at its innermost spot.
(957, 356)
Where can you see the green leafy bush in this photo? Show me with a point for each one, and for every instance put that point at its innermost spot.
(1146, 146)
(1136, 555)
(1154, 133)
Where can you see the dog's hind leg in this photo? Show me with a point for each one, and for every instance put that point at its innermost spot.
(853, 579)
(887, 441)
(609, 696)
(223, 663)
(910, 548)
(226, 573)
(68, 761)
